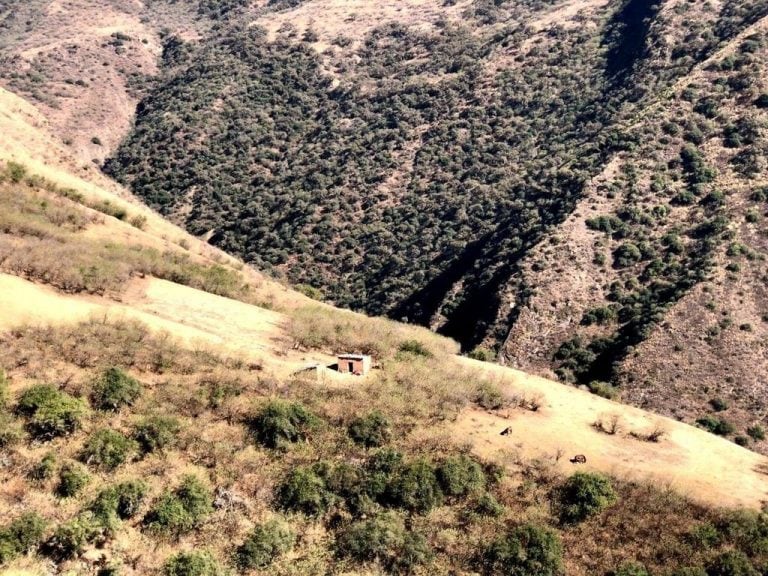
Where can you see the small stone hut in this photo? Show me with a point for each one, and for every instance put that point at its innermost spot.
(358, 364)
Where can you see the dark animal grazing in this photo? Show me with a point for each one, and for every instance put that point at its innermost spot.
(579, 459)
(507, 431)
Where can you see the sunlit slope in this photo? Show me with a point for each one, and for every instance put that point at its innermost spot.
(693, 462)
(705, 467)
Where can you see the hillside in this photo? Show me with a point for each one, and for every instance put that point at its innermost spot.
(167, 409)
(142, 405)
(575, 189)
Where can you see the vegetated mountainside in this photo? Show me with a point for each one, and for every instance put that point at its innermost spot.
(575, 188)
(149, 424)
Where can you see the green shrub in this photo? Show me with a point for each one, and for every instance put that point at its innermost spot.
(460, 475)
(106, 449)
(115, 389)
(482, 354)
(44, 469)
(10, 431)
(415, 487)
(718, 426)
(747, 530)
(50, 412)
(626, 255)
(414, 348)
(71, 537)
(72, 479)
(731, 563)
(631, 569)
(704, 536)
(384, 539)
(156, 433)
(524, 551)
(20, 536)
(16, 172)
(489, 396)
(118, 502)
(584, 494)
(303, 490)
(281, 423)
(179, 511)
(193, 564)
(370, 431)
(718, 404)
(603, 389)
(486, 505)
(265, 543)
(380, 469)
(756, 432)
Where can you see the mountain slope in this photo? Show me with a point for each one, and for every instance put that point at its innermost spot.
(207, 366)
(574, 189)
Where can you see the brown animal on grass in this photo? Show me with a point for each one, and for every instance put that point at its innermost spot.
(507, 431)
(579, 459)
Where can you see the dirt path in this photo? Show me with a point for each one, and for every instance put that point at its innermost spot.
(698, 464)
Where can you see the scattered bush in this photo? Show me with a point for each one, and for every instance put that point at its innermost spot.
(756, 432)
(72, 479)
(486, 505)
(281, 423)
(584, 494)
(115, 389)
(44, 469)
(303, 490)
(524, 551)
(415, 487)
(20, 536)
(10, 431)
(718, 426)
(603, 389)
(265, 543)
(118, 502)
(71, 537)
(626, 255)
(107, 449)
(718, 404)
(156, 433)
(179, 511)
(490, 397)
(731, 563)
(414, 348)
(460, 476)
(370, 431)
(193, 564)
(384, 539)
(50, 412)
